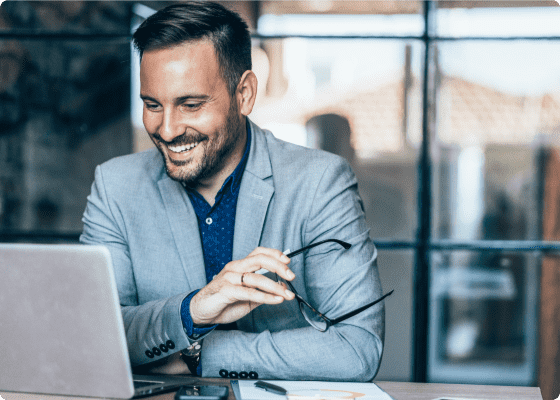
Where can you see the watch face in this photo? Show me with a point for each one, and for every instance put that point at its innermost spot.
(193, 350)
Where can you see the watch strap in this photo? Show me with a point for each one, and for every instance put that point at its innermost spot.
(191, 356)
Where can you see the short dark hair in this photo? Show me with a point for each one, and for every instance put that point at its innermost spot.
(197, 20)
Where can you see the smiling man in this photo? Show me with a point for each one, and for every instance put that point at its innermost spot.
(193, 225)
(191, 117)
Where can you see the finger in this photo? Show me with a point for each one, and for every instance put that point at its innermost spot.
(258, 261)
(233, 277)
(252, 295)
(248, 279)
(272, 253)
(266, 285)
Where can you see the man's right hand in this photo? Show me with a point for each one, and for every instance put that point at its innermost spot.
(237, 290)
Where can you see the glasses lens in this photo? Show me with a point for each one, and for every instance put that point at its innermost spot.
(312, 317)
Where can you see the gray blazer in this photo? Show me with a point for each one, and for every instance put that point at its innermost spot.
(290, 196)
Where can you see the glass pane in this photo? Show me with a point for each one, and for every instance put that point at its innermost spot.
(483, 317)
(498, 109)
(66, 16)
(344, 18)
(396, 269)
(357, 98)
(497, 18)
(64, 109)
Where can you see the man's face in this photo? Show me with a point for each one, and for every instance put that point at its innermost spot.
(188, 112)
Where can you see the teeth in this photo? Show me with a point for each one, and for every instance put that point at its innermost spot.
(180, 149)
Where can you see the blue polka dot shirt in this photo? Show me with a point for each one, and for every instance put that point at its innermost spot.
(216, 225)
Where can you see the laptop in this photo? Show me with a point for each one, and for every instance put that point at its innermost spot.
(61, 326)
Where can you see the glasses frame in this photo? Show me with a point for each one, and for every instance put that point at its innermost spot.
(301, 301)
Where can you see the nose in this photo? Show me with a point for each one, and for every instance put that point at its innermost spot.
(170, 127)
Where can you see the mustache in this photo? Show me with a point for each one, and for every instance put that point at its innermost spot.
(182, 139)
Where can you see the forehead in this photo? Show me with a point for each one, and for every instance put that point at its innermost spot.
(190, 65)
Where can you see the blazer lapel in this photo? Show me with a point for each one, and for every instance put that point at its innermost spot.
(254, 198)
(184, 227)
(252, 205)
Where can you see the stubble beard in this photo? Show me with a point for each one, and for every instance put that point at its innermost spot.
(215, 155)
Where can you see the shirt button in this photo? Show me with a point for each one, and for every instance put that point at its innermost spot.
(208, 221)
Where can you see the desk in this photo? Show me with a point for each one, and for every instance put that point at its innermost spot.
(427, 391)
(397, 390)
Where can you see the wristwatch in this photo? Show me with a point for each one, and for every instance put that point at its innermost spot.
(191, 356)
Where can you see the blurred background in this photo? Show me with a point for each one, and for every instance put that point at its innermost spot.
(448, 111)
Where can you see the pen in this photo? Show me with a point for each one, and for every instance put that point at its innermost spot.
(269, 387)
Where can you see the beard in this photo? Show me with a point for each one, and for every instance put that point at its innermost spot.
(216, 151)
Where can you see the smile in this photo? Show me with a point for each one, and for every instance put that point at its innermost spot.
(183, 148)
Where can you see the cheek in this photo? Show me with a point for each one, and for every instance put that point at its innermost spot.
(201, 118)
(150, 121)
(205, 123)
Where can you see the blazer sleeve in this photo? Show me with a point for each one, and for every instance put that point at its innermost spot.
(335, 281)
(153, 330)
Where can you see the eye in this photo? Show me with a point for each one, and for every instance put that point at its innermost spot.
(152, 106)
(191, 106)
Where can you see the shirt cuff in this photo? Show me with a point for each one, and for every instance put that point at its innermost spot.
(192, 332)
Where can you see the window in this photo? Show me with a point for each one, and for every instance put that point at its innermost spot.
(448, 113)
(64, 90)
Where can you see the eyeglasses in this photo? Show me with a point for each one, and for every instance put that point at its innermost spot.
(317, 320)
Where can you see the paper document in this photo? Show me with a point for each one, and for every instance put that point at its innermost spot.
(310, 390)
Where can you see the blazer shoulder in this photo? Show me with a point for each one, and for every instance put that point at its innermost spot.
(301, 159)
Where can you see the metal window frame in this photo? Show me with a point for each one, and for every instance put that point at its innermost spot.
(423, 245)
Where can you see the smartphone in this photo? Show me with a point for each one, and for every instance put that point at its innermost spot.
(202, 392)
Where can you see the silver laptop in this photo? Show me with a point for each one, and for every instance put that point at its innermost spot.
(61, 328)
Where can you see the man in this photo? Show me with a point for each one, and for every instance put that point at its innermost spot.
(190, 223)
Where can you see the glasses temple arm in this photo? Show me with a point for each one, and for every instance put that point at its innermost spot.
(359, 310)
(291, 287)
(340, 242)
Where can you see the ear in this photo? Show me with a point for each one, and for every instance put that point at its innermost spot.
(246, 92)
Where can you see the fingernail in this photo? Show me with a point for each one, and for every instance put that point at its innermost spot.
(278, 298)
(290, 293)
(285, 258)
(291, 274)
